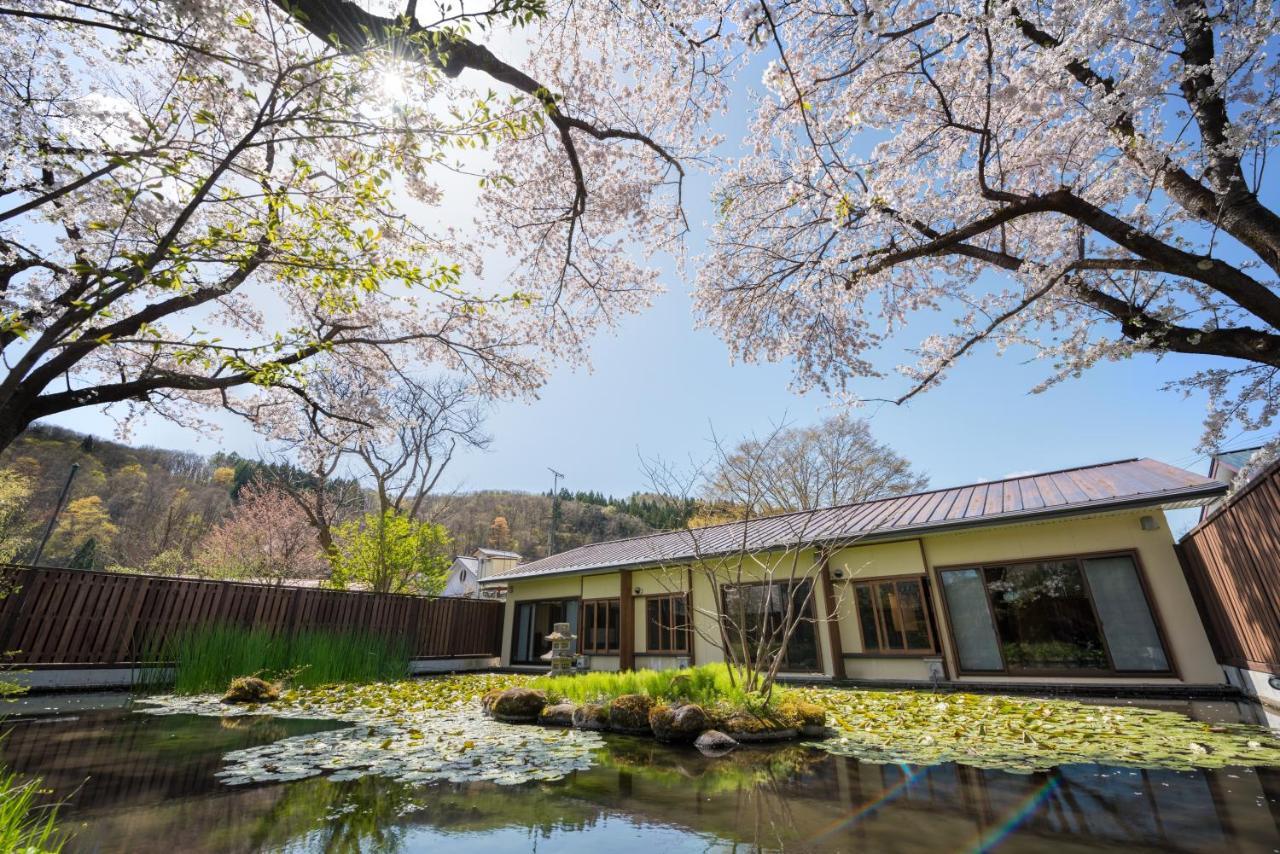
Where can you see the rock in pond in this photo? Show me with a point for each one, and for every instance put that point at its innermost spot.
(561, 714)
(678, 723)
(630, 714)
(487, 701)
(809, 718)
(715, 743)
(251, 689)
(593, 717)
(518, 705)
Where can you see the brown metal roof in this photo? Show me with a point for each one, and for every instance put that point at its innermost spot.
(1089, 489)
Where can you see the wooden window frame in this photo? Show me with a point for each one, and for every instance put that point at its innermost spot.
(813, 616)
(1153, 607)
(596, 605)
(922, 582)
(674, 632)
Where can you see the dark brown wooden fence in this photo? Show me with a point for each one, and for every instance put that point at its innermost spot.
(72, 616)
(1232, 562)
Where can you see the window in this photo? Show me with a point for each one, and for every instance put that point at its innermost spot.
(894, 616)
(533, 622)
(666, 624)
(759, 611)
(601, 619)
(1059, 616)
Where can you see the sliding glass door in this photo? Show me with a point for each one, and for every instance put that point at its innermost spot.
(533, 622)
(1062, 616)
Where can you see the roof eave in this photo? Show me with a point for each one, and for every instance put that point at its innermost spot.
(1192, 496)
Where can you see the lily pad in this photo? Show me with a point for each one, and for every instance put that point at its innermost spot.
(1024, 734)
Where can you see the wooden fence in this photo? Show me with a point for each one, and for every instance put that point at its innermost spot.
(72, 616)
(1232, 562)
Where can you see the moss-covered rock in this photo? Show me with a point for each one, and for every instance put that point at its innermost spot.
(747, 727)
(251, 689)
(630, 714)
(591, 716)
(518, 705)
(678, 723)
(561, 714)
(809, 719)
(487, 701)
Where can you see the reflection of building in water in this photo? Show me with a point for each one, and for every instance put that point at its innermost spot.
(143, 784)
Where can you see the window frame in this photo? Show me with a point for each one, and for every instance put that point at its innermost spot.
(674, 633)
(873, 584)
(597, 605)
(812, 617)
(1173, 671)
(515, 624)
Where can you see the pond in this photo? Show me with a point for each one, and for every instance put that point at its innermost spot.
(135, 782)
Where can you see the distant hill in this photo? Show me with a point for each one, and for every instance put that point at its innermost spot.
(136, 503)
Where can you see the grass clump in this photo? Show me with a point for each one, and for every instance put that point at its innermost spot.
(207, 658)
(27, 825)
(706, 685)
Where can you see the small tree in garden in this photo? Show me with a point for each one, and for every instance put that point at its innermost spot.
(763, 582)
(265, 538)
(390, 552)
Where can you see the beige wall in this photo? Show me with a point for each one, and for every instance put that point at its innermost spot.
(1188, 645)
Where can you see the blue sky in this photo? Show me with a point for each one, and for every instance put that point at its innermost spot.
(658, 387)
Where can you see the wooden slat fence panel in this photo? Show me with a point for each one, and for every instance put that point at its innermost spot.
(1232, 562)
(71, 616)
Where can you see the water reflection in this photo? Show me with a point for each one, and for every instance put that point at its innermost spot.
(140, 783)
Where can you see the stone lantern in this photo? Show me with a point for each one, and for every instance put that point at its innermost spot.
(561, 649)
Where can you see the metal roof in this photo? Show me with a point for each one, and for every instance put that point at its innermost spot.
(1088, 489)
(497, 553)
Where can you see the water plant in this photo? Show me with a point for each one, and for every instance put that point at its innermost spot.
(206, 658)
(413, 731)
(26, 824)
(1023, 734)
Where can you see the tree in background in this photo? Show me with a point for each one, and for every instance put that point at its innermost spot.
(83, 521)
(390, 552)
(836, 461)
(389, 433)
(265, 538)
(1079, 178)
(15, 529)
(500, 534)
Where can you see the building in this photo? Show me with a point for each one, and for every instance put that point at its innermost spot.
(467, 571)
(1068, 577)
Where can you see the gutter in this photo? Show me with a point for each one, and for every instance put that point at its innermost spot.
(1208, 490)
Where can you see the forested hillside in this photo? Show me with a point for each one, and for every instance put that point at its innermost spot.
(149, 508)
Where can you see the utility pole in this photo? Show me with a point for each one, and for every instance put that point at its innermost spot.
(57, 509)
(556, 477)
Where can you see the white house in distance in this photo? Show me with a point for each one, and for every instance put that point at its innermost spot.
(468, 570)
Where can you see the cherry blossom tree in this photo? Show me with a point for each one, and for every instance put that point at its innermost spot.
(264, 538)
(201, 200)
(1082, 178)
